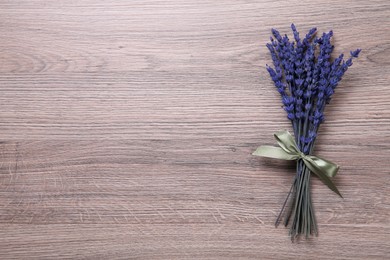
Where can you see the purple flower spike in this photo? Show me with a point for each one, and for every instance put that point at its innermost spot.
(277, 35)
(303, 70)
(355, 53)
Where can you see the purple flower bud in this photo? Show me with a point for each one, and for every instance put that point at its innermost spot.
(299, 71)
(323, 82)
(289, 108)
(308, 106)
(276, 34)
(271, 71)
(333, 82)
(288, 100)
(299, 92)
(298, 63)
(299, 115)
(317, 114)
(279, 84)
(299, 82)
(308, 93)
(312, 134)
(355, 53)
(295, 32)
(290, 116)
(329, 92)
(320, 102)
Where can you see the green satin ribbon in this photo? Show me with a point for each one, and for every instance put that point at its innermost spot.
(289, 150)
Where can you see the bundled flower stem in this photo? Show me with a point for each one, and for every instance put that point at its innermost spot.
(306, 77)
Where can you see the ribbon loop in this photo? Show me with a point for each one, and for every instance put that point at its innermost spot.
(289, 150)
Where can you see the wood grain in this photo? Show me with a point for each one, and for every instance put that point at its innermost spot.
(127, 129)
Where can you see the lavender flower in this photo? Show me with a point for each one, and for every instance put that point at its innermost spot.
(309, 79)
(306, 83)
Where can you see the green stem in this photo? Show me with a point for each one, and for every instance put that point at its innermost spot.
(284, 204)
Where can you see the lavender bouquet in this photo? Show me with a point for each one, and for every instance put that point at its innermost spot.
(306, 76)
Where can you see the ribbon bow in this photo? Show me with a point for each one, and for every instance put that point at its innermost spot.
(289, 150)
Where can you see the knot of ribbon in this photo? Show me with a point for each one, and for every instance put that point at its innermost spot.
(289, 150)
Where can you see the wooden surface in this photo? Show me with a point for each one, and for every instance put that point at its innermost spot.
(127, 128)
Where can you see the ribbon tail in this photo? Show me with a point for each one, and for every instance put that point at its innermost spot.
(329, 168)
(274, 152)
(321, 172)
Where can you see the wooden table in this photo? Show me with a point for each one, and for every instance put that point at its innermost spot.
(127, 129)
